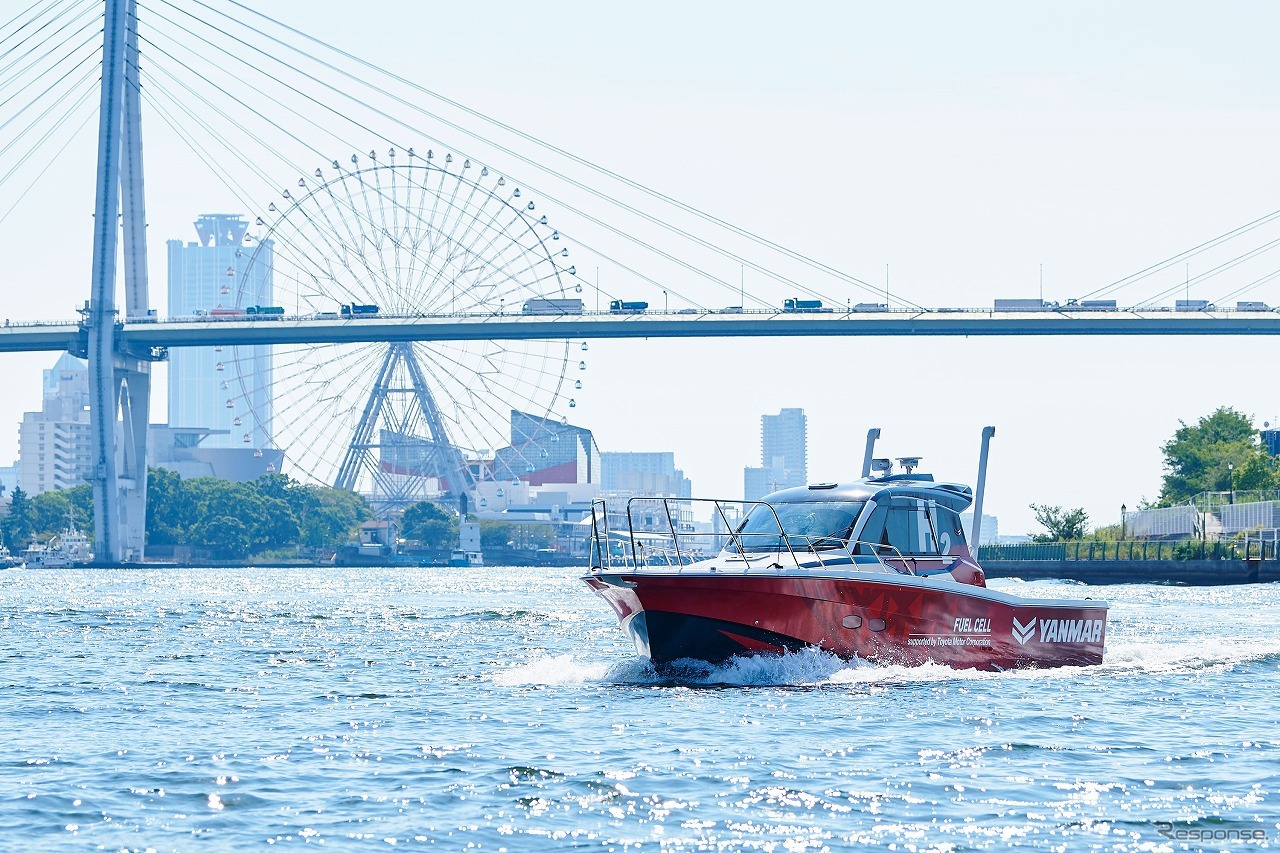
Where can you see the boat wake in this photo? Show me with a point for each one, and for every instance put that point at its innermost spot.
(1198, 654)
(814, 667)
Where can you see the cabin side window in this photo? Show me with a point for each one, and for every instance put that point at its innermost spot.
(873, 532)
(950, 530)
(902, 526)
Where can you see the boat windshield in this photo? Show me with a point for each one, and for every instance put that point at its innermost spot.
(809, 526)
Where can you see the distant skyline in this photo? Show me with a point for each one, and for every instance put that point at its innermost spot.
(952, 149)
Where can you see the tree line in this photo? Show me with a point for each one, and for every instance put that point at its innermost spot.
(1221, 452)
(227, 519)
(233, 521)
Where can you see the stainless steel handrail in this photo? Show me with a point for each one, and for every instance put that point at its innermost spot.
(640, 555)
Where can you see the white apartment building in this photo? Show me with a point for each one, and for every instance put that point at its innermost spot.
(53, 443)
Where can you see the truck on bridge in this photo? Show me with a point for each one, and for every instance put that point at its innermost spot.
(357, 310)
(264, 312)
(805, 306)
(1025, 305)
(621, 306)
(553, 306)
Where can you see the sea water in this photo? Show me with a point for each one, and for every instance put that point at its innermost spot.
(503, 709)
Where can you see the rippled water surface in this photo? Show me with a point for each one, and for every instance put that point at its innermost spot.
(502, 709)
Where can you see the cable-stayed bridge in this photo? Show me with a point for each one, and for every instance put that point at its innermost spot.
(56, 336)
(369, 193)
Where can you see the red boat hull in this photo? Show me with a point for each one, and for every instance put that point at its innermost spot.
(712, 617)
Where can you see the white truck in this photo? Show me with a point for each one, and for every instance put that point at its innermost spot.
(553, 306)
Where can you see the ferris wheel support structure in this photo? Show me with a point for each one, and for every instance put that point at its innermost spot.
(433, 456)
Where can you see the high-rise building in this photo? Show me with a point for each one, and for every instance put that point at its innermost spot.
(783, 455)
(53, 443)
(784, 445)
(651, 474)
(224, 269)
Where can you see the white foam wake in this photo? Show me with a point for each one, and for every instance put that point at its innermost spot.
(561, 669)
(803, 668)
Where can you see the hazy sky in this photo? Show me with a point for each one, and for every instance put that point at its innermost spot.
(962, 145)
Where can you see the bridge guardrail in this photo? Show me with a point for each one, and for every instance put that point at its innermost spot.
(836, 312)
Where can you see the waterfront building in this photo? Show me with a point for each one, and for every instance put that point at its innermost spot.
(649, 474)
(784, 455)
(990, 528)
(226, 269)
(8, 480)
(53, 443)
(544, 451)
(549, 472)
(184, 451)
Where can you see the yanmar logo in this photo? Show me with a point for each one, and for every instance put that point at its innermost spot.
(1058, 630)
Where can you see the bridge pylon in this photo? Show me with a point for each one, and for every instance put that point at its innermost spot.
(119, 377)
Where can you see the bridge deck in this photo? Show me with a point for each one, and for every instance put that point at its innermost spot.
(56, 336)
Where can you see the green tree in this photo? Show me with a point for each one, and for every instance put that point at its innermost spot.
(18, 524)
(270, 521)
(300, 499)
(272, 512)
(504, 534)
(1061, 525)
(227, 537)
(428, 524)
(334, 521)
(170, 507)
(51, 510)
(1218, 453)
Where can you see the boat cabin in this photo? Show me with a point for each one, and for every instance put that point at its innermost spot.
(887, 517)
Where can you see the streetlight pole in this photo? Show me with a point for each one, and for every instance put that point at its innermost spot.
(1123, 521)
(1231, 471)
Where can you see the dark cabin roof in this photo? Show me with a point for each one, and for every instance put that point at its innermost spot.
(950, 495)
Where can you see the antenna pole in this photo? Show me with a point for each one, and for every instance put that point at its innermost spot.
(987, 433)
(872, 435)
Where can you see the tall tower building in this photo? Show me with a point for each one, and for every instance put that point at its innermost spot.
(784, 445)
(784, 455)
(224, 269)
(53, 443)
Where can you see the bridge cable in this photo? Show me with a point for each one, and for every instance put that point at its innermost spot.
(239, 154)
(537, 141)
(1182, 256)
(52, 160)
(1210, 273)
(595, 220)
(382, 113)
(11, 77)
(1240, 291)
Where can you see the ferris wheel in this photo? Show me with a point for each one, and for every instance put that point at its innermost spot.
(404, 235)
